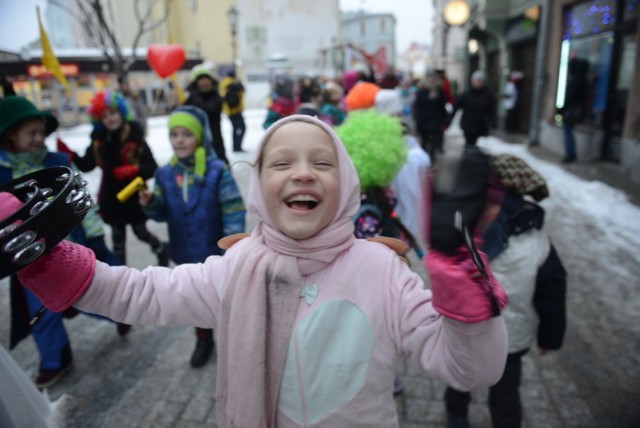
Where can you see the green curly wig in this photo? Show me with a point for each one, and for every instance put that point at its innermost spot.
(376, 146)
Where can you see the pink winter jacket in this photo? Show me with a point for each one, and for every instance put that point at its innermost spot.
(354, 319)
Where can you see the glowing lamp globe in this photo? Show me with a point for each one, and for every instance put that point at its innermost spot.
(456, 12)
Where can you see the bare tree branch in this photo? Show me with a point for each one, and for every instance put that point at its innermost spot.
(144, 28)
(91, 15)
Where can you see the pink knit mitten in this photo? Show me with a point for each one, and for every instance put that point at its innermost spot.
(459, 290)
(61, 276)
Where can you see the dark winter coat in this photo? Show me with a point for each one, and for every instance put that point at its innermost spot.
(577, 91)
(108, 151)
(478, 111)
(211, 102)
(430, 113)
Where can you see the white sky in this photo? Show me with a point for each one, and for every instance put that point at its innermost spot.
(19, 22)
(413, 20)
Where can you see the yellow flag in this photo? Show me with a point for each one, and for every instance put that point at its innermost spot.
(181, 96)
(49, 60)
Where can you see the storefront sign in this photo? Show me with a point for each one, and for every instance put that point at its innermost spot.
(40, 71)
(523, 27)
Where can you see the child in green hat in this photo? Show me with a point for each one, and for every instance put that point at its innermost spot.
(198, 198)
(23, 129)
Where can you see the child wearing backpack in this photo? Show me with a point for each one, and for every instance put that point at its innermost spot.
(310, 320)
(232, 92)
(198, 198)
(524, 260)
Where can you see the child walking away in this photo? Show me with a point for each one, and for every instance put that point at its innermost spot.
(23, 129)
(309, 320)
(526, 263)
(198, 198)
(409, 184)
(331, 109)
(118, 147)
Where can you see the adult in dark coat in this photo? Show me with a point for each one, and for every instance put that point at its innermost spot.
(478, 109)
(430, 115)
(575, 103)
(203, 93)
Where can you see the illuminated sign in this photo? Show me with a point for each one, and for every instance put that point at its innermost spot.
(38, 70)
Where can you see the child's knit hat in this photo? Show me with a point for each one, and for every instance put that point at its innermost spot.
(362, 96)
(197, 122)
(389, 101)
(108, 99)
(205, 69)
(14, 110)
(376, 146)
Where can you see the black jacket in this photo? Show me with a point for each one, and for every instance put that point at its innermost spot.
(211, 102)
(478, 111)
(430, 113)
(126, 146)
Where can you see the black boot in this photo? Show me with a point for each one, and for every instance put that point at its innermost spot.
(202, 353)
(163, 254)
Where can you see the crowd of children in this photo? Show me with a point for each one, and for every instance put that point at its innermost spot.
(341, 163)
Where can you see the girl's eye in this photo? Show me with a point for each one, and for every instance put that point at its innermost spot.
(323, 164)
(280, 164)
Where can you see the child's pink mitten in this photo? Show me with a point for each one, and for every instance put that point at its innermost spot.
(459, 290)
(61, 276)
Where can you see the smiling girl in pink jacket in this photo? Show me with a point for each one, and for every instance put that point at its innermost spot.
(310, 320)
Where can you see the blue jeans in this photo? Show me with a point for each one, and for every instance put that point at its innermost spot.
(569, 140)
(49, 334)
(239, 128)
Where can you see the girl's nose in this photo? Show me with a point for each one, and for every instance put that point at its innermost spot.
(304, 173)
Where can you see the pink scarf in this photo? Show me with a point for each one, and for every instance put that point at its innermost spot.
(261, 299)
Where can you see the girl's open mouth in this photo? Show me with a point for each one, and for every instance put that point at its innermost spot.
(302, 202)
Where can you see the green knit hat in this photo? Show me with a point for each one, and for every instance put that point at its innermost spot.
(14, 110)
(189, 121)
(196, 121)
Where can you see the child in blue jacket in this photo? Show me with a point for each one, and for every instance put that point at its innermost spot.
(198, 198)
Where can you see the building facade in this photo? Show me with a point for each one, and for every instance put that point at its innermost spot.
(540, 39)
(371, 33)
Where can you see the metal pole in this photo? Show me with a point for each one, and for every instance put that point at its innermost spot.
(233, 46)
(539, 72)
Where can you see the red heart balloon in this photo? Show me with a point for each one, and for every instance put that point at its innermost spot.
(165, 59)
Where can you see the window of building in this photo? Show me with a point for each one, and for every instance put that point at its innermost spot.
(586, 59)
(630, 10)
(382, 24)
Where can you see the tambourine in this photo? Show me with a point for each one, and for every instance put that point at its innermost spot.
(55, 200)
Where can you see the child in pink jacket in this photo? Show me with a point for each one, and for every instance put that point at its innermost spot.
(310, 320)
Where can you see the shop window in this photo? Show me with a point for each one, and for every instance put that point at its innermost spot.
(585, 69)
(630, 10)
(591, 17)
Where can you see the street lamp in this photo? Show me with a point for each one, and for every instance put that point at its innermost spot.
(456, 12)
(232, 17)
